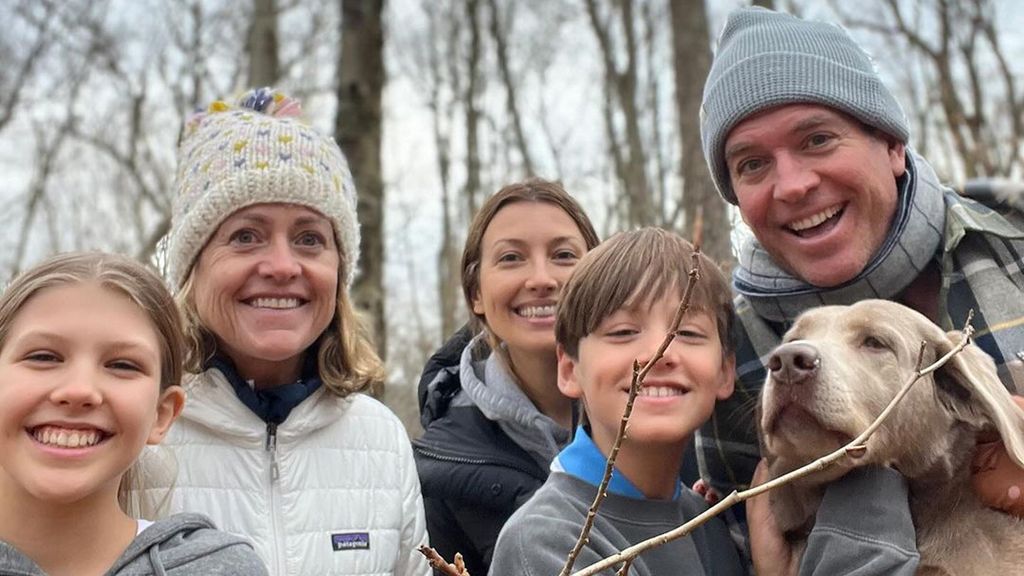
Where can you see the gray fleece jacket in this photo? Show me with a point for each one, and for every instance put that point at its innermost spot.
(488, 384)
(182, 545)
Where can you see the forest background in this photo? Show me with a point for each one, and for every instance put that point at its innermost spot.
(437, 104)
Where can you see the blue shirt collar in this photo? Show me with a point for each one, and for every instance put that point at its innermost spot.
(583, 460)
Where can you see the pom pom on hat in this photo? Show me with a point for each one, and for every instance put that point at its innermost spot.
(256, 151)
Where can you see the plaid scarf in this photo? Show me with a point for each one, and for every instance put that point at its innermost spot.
(979, 254)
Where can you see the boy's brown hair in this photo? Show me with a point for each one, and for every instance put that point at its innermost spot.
(635, 267)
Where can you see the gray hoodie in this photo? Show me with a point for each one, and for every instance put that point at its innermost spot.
(488, 384)
(182, 545)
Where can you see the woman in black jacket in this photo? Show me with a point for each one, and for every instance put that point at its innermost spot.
(489, 402)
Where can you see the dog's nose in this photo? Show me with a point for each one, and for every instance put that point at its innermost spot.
(794, 362)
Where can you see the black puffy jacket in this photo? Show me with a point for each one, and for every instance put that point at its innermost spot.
(473, 476)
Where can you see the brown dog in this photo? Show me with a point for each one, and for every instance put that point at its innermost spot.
(835, 372)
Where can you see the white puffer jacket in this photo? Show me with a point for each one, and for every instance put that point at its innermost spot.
(337, 495)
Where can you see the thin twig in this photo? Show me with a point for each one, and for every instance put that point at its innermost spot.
(634, 388)
(437, 562)
(854, 448)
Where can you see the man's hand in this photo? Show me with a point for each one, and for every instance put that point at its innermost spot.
(997, 479)
(771, 553)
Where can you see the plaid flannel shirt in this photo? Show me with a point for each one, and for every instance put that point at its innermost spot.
(981, 257)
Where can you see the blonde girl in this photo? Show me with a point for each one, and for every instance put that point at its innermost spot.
(90, 358)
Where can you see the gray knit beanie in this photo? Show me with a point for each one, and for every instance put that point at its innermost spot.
(768, 59)
(256, 151)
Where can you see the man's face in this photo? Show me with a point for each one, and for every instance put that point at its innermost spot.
(817, 189)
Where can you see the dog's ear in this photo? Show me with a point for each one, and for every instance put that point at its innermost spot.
(968, 386)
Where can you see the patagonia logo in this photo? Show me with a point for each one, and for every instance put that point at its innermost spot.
(351, 541)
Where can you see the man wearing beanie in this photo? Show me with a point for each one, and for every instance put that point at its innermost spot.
(800, 134)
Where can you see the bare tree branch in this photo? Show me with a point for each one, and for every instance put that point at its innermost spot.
(28, 65)
(439, 563)
(499, 33)
(628, 156)
(471, 190)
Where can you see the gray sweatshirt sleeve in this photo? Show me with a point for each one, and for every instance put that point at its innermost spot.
(535, 545)
(238, 559)
(863, 528)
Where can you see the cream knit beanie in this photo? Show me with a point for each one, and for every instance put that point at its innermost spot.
(256, 151)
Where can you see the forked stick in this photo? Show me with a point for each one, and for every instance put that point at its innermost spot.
(854, 448)
(437, 562)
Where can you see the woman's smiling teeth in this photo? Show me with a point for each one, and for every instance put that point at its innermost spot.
(67, 438)
(536, 311)
(275, 303)
(816, 219)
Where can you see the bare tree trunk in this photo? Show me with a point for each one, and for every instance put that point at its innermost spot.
(261, 44)
(622, 85)
(195, 48)
(501, 47)
(642, 207)
(358, 132)
(22, 71)
(448, 257)
(651, 22)
(692, 55)
(448, 269)
(473, 88)
(441, 65)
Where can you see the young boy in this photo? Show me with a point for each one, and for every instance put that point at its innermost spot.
(618, 307)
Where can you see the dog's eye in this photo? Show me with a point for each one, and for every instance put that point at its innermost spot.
(874, 343)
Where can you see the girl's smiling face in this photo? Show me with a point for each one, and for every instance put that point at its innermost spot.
(80, 373)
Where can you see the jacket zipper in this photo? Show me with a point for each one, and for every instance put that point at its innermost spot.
(275, 523)
(272, 450)
(478, 461)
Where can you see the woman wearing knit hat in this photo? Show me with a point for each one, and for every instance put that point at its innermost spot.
(276, 442)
